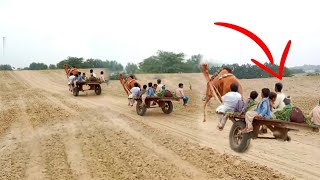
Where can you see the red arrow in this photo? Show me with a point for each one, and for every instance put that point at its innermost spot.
(264, 48)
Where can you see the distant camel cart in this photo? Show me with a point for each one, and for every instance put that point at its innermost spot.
(239, 141)
(164, 103)
(93, 85)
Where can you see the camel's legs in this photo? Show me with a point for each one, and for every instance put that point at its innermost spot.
(205, 108)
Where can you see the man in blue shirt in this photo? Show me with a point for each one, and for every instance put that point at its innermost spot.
(79, 81)
(150, 91)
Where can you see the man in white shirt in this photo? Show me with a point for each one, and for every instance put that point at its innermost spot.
(71, 81)
(229, 101)
(92, 74)
(279, 103)
(159, 86)
(135, 93)
(315, 115)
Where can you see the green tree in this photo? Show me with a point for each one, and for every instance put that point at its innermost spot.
(131, 68)
(52, 66)
(163, 62)
(5, 67)
(72, 61)
(193, 64)
(112, 66)
(37, 66)
(94, 63)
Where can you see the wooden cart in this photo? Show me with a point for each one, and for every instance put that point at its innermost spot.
(93, 85)
(164, 103)
(239, 141)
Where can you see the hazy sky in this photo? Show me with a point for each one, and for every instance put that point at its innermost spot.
(131, 30)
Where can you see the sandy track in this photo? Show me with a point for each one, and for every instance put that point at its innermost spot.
(46, 133)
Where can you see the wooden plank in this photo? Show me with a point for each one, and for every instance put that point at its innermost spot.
(280, 123)
(92, 83)
(158, 98)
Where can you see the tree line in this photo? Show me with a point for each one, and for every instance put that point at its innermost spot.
(161, 62)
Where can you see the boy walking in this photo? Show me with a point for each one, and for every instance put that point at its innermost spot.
(180, 94)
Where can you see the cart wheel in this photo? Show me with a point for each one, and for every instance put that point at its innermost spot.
(97, 89)
(76, 91)
(239, 142)
(168, 107)
(141, 108)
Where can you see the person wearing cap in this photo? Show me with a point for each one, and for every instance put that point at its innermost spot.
(180, 94)
(315, 115)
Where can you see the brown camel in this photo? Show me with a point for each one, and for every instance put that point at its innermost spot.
(218, 85)
(73, 70)
(128, 84)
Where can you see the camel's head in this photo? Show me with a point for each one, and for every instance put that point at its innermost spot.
(120, 76)
(204, 67)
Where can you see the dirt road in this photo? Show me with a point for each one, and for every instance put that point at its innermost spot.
(46, 133)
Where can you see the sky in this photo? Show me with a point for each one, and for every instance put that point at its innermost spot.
(130, 31)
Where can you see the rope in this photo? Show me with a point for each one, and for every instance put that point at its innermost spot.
(214, 92)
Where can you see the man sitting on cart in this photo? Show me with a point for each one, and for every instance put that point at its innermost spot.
(251, 103)
(135, 93)
(79, 81)
(229, 101)
(315, 115)
(150, 91)
(71, 81)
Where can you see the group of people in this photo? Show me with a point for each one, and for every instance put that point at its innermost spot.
(271, 106)
(80, 79)
(154, 90)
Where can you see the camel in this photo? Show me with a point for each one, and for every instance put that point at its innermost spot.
(218, 85)
(128, 84)
(73, 70)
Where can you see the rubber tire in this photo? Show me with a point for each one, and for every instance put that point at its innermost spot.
(170, 107)
(75, 91)
(246, 138)
(97, 90)
(141, 110)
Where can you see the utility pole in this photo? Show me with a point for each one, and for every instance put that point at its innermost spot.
(3, 45)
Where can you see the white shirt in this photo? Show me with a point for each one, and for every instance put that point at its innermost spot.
(315, 115)
(229, 101)
(159, 87)
(71, 79)
(135, 91)
(102, 77)
(94, 75)
(279, 104)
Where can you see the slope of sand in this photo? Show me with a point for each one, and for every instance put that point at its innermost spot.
(47, 133)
